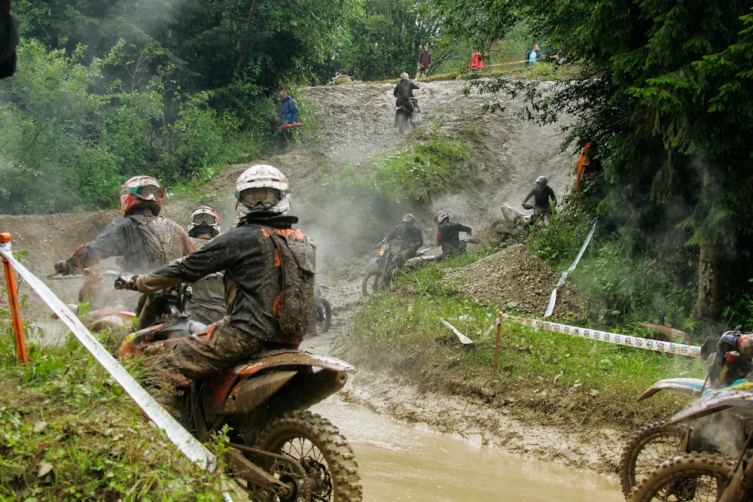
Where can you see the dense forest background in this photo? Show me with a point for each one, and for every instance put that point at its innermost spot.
(179, 88)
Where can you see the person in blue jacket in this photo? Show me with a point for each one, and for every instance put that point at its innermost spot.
(288, 115)
(289, 111)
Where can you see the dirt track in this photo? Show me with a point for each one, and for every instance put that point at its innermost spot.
(357, 125)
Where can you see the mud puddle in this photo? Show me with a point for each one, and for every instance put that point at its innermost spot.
(399, 461)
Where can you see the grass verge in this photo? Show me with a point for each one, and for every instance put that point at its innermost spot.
(68, 432)
(546, 377)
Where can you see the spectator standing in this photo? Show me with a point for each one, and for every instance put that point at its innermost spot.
(477, 63)
(534, 55)
(424, 63)
(289, 115)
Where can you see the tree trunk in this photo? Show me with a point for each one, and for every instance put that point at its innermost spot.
(711, 284)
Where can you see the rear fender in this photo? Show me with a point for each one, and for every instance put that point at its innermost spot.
(691, 386)
(241, 389)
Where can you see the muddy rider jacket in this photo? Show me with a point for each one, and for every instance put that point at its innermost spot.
(144, 242)
(254, 274)
(448, 236)
(207, 305)
(404, 91)
(411, 237)
(541, 197)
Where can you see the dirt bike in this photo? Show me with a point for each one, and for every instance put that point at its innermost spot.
(706, 475)
(423, 258)
(512, 226)
(378, 270)
(405, 120)
(662, 440)
(278, 449)
(322, 310)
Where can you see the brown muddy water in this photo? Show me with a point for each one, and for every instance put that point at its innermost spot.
(399, 461)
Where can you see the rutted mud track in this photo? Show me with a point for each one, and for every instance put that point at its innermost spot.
(356, 124)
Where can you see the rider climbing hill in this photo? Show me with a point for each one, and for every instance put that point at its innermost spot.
(262, 258)
(541, 194)
(404, 92)
(411, 239)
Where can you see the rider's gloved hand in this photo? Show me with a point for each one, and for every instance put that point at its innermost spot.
(126, 281)
(470, 232)
(62, 268)
(728, 342)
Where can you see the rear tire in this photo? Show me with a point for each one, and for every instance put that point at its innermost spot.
(403, 122)
(326, 456)
(325, 312)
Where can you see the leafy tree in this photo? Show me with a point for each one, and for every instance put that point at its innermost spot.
(667, 98)
(387, 40)
(49, 159)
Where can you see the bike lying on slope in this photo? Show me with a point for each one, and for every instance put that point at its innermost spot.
(279, 449)
(512, 226)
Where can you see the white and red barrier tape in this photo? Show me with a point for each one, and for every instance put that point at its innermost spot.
(606, 336)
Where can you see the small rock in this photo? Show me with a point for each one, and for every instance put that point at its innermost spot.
(44, 468)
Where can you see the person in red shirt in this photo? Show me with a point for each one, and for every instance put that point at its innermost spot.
(477, 63)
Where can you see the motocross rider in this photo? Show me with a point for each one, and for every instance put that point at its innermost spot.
(263, 256)
(448, 234)
(207, 305)
(404, 93)
(411, 239)
(142, 237)
(541, 194)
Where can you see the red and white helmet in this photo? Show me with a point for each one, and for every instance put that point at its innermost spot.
(262, 190)
(138, 192)
(204, 219)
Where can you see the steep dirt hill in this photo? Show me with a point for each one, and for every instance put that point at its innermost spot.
(355, 126)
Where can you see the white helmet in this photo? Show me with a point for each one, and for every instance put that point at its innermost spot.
(262, 190)
(204, 219)
(404, 76)
(542, 179)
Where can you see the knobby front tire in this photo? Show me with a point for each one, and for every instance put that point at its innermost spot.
(651, 446)
(690, 477)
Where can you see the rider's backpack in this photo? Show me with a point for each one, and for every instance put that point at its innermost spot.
(298, 257)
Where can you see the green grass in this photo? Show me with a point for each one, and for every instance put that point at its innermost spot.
(552, 378)
(69, 432)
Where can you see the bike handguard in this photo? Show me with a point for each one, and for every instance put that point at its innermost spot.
(127, 282)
